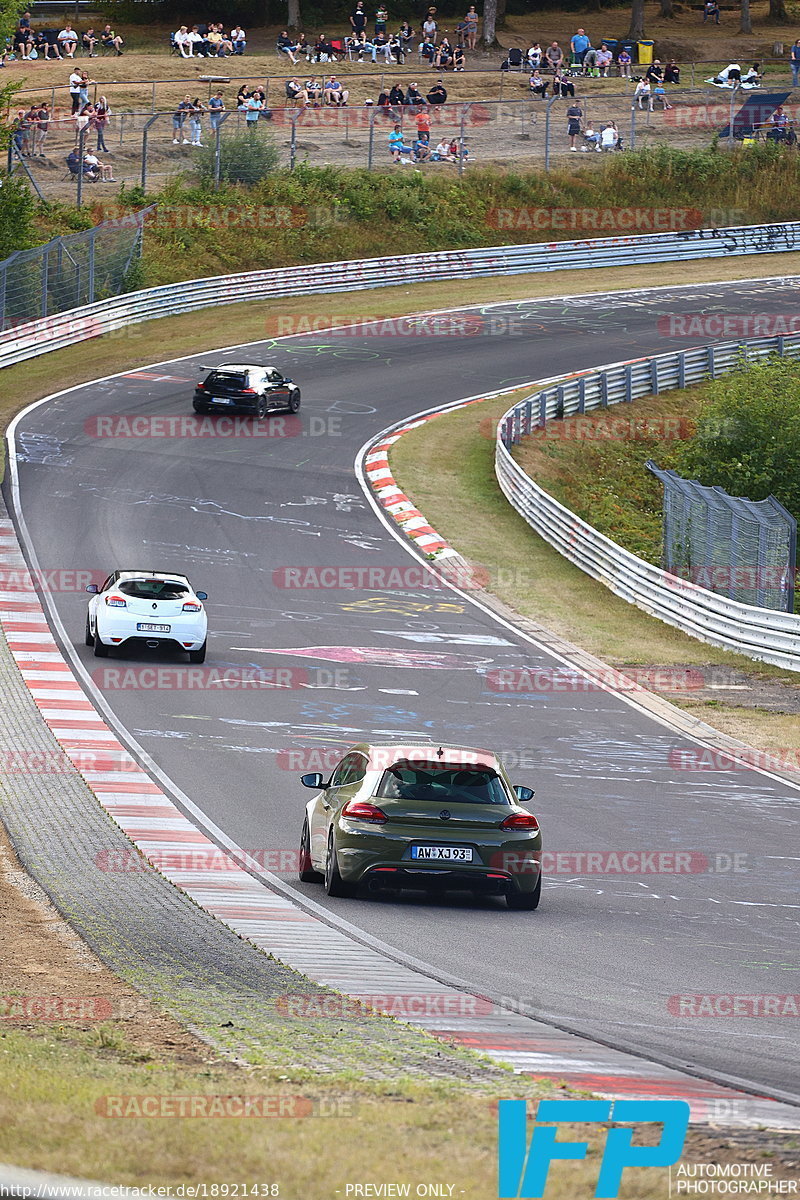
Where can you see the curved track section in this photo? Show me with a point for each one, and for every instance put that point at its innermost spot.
(240, 514)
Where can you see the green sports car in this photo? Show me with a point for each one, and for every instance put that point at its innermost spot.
(421, 816)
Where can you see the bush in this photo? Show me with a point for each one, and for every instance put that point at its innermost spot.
(16, 215)
(747, 439)
(246, 157)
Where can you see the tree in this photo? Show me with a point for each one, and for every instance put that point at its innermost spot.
(489, 24)
(777, 12)
(636, 30)
(293, 17)
(746, 23)
(667, 10)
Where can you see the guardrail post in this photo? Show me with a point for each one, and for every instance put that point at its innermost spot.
(711, 363)
(528, 415)
(45, 280)
(654, 376)
(582, 394)
(628, 383)
(781, 346)
(145, 135)
(560, 401)
(682, 369)
(542, 410)
(603, 390)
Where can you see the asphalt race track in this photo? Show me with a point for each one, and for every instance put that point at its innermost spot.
(603, 954)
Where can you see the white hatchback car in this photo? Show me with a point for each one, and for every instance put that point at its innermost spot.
(149, 607)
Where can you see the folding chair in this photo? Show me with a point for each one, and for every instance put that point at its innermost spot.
(515, 59)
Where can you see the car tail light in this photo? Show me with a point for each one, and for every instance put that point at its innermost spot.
(201, 387)
(520, 821)
(248, 391)
(115, 602)
(363, 811)
(192, 606)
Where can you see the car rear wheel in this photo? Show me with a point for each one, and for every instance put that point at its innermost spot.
(89, 636)
(198, 656)
(294, 401)
(100, 648)
(199, 408)
(262, 408)
(334, 884)
(524, 901)
(305, 871)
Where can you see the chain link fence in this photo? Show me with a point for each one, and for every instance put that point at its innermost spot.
(69, 271)
(743, 549)
(146, 149)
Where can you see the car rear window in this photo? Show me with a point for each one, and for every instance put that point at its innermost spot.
(452, 784)
(153, 589)
(227, 379)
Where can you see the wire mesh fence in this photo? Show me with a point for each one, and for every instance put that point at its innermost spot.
(147, 148)
(743, 549)
(69, 271)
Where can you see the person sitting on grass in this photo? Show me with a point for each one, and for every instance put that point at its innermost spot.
(609, 138)
(442, 152)
(239, 40)
(438, 93)
(459, 61)
(397, 146)
(711, 11)
(562, 85)
(672, 72)
(414, 95)
(112, 40)
(591, 139)
(422, 150)
(538, 85)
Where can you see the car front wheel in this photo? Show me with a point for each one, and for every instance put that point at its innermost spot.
(88, 636)
(334, 884)
(294, 401)
(262, 408)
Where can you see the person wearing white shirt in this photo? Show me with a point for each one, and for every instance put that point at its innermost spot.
(609, 138)
(238, 39)
(184, 42)
(68, 40)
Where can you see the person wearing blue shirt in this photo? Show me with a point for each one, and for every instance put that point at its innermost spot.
(579, 45)
(795, 61)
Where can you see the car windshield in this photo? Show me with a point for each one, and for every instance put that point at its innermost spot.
(227, 379)
(442, 784)
(153, 589)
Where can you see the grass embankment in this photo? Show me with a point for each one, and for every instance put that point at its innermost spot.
(447, 467)
(321, 214)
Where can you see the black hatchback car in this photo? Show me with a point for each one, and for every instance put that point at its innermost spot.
(248, 388)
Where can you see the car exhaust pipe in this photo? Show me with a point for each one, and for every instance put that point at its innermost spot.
(152, 644)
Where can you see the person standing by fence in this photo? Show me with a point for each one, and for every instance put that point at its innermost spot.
(102, 111)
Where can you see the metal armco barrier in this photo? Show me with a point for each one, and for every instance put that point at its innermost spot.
(56, 332)
(759, 633)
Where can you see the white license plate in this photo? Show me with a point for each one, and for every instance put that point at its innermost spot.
(442, 853)
(222, 400)
(145, 628)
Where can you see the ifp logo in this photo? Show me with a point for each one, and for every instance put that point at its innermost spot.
(523, 1169)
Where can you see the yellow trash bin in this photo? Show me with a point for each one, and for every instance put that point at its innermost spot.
(645, 52)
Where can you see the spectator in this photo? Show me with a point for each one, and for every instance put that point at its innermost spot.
(285, 45)
(89, 170)
(590, 62)
(23, 41)
(21, 132)
(335, 94)
(591, 140)
(538, 85)
(660, 95)
(358, 18)
(102, 111)
(604, 60)
(112, 40)
(294, 92)
(303, 47)
(427, 49)
(68, 40)
(471, 27)
(424, 124)
(574, 115)
(579, 45)
(215, 44)
(554, 55)
(46, 47)
(711, 9)
(642, 97)
(86, 83)
(253, 107)
(199, 42)
(178, 118)
(75, 86)
(196, 120)
(396, 95)
(183, 42)
(753, 76)
(83, 119)
(422, 151)
(381, 46)
(624, 63)
(730, 74)
(672, 72)
(41, 124)
(794, 58)
(609, 138)
(406, 36)
(243, 94)
(429, 29)
(413, 96)
(239, 40)
(438, 93)
(89, 41)
(534, 56)
(654, 72)
(444, 55)
(397, 145)
(562, 85)
(458, 58)
(315, 92)
(323, 50)
(216, 107)
(442, 152)
(102, 170)
(381, 17)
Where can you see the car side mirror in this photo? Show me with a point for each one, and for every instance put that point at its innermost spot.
(313, 780)
(524, 793)
(201, 595)
(93, 588)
